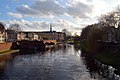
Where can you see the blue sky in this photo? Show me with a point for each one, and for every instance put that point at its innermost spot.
(72, 15)
(10, 6)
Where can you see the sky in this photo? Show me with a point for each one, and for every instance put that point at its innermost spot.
(37, 15)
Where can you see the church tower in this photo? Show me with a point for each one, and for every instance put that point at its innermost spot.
(50, 27)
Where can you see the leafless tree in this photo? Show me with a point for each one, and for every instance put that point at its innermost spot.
(110, 19)
(15, 27)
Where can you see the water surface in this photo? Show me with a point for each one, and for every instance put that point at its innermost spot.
(59, 63)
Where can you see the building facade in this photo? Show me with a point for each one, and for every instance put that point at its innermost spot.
(46, 35)
(2, 33)
(11, 36)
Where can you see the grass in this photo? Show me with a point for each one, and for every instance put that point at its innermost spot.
(85, 47)
(112, 59)
(8, 51)
(105, 57)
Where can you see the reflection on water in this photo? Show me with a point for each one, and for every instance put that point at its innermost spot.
(59, 63)
(93, 68)
(97, 68)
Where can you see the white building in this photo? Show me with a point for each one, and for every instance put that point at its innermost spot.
(2, 33)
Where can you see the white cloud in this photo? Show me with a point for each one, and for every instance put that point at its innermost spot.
(79, 10)
(29, 25)
(70, 14)
(55, 8)
(15, 15)
(58, 25)
(41, 8)
(99, 7)
(25, 9)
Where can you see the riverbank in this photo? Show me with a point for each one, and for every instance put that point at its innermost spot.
(110, 59)
(106, 55)
(8, 52)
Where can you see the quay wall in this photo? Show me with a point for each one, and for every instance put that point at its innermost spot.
(49, 41)
(5, 46)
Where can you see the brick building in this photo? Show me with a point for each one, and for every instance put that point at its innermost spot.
(45, 35)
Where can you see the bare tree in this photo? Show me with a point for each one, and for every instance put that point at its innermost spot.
(110, 19)
(68, 33)
(15, 27)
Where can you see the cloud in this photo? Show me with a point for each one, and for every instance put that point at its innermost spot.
(58, 25)
(15, 15)
(25, 9)
(89, 0)
(72, 15)
(26, 25)
(41, 9)
(55, 8)
(79, 10)
(48, 7)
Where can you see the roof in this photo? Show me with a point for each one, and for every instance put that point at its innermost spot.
(38, 31)
(2, 28)
(10, 31)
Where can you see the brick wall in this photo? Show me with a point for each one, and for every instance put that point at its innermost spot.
(5, 46)
(48, 41)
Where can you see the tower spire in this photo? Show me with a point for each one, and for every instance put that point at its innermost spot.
(50, 27)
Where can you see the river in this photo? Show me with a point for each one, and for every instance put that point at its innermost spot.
(59, 63)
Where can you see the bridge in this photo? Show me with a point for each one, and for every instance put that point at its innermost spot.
(28, 46)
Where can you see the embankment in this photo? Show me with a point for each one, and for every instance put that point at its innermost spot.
(5, 46)
(107, 53)
(8, 47)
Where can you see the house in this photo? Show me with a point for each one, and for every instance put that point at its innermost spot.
(2, 33)
(11, 35)
(109, 34)
(21, 36)
(35, 36)
(44, 35)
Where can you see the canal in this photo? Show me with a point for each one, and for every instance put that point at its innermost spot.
(63, 62)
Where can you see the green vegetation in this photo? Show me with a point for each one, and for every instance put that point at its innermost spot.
(108, 58)
(69, 41)
(102, 39)
(105, 57)
(106, 30)
(8, 51)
